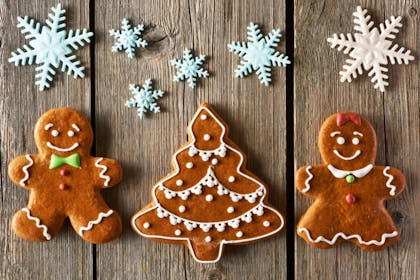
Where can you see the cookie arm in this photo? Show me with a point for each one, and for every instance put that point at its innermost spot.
(19, 170)
(108, 172)
(393, 181)
(304, 178)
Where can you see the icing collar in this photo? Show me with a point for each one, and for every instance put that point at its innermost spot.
(359, 173)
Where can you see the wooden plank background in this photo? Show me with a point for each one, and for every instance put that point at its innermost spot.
(257, 116)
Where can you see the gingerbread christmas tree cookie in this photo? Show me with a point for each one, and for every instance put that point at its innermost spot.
(210, 199)
(64, 180)
(348, 188)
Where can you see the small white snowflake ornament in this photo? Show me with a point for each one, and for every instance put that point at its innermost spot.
(128, 38)
(144, 98)
(190, 68)
(370, 48)
(50, 47)
(259, 54)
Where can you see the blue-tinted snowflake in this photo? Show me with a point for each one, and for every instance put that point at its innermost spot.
(144, 98)
(128, 38)
(50, 47)
(189, 68)
(259, 54)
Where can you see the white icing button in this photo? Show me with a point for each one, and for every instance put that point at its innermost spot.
(239, 234)
(203, 117)
(182, 208)
(70, 133)
(231, 179)
(146, 225)
(189, 165)
(214, 161)
(54, 133)
(208, 239)
(209, 197)
(230, 209)
(266, 223)
(179, 183)
(178, 232)
(206, 137)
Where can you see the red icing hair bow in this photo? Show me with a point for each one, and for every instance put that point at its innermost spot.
(343, 118)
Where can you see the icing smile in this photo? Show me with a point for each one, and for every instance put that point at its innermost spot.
(69, 149)
(355, 155)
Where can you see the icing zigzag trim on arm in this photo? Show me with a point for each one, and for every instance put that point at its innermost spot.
(388, 182)
(37, 223)
(25, 170)
(102, 173)
(90, 225)
(307, 186)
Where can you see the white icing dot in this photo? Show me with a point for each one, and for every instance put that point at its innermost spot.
(179, 183)
(231, 179)
(206, 137)
(70, 133)
(189, 165)
(239, 234)
(55, 133)
(266, 223)
(146, 225)
(209, 197)
(214, 161)
(178, 232)
(341, 140)
(355, 141)
(208, 239)
(203, 117)
(182, 208)
(230, 209)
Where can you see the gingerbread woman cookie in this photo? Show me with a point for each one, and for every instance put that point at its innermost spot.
(210, 199)
(349, 190)
(65, 181)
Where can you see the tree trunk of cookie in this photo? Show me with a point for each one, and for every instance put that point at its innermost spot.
(206, 252)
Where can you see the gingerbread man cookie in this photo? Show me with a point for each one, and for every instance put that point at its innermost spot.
(210, 199)
(65, 181)
(349, 190)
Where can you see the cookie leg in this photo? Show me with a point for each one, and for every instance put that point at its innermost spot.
(98, 224)
(37, 224)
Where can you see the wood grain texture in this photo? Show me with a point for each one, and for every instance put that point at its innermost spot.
(255, 114)
(21, 104)
(394, 114)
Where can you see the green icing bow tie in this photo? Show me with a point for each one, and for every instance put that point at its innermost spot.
(57, 161)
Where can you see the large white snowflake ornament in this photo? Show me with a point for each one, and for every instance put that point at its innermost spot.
(144, 98)
(128, 38)
(370, 48)
(259, 54)
(190, 68)
(50, 47)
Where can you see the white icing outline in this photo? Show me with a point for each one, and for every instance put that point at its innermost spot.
(355, 155)
(37, 223)
(359, 173)
(347, 237)
(95, 222)
(102, 173)
(334, 133)
(25, 170)
(75, 127)
(210, 180)
(48, 126)
(222, 242)
(388, 182)
(307, 186)
(69, 149)
(357, 133)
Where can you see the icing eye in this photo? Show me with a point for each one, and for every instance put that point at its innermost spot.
(355, 141)
(55, 133)
(70, 133)
(341, 140)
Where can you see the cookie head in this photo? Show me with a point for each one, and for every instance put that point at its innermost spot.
(63, 131)
(347, 141)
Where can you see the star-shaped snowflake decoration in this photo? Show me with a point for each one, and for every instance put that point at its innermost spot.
(144, 98)
(259, 54)
(189, 68)
(370, 49)
(50, 47)
(128, 38)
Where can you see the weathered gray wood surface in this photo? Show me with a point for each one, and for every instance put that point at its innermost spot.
(394, 114)
(256, 114)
